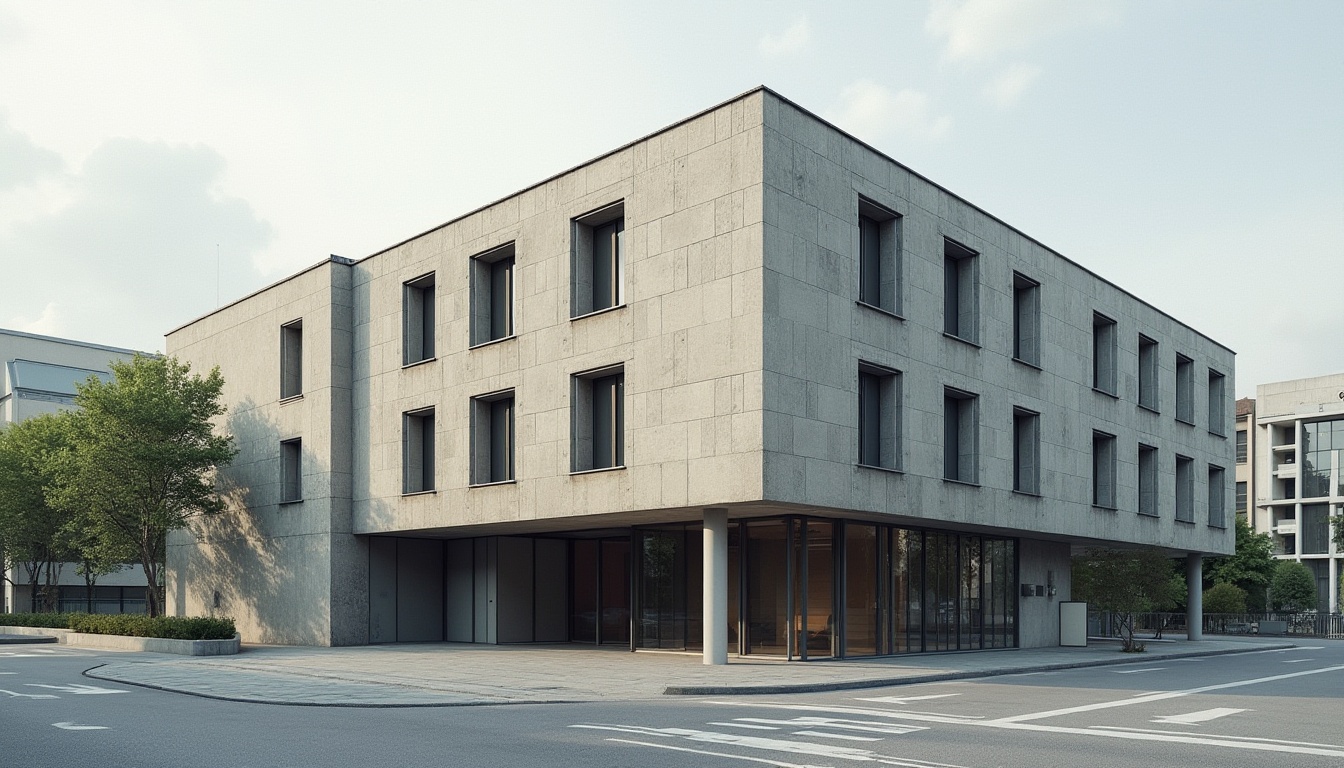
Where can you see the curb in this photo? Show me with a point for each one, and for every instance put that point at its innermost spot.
(131, 643)
(26, 639)
(938, 677)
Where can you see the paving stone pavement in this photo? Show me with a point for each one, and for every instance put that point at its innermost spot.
(452, 674)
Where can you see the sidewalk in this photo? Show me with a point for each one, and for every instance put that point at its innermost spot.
(452, 674)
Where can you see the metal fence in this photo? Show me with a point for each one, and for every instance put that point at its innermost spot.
(1303, 624)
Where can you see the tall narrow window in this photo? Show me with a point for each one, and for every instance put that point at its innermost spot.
(1241, 497)
(1148, 394)
(291, 471)
(1103, 353)
(1217, 497)
(961, 292)
(291, 359)
(1103, 470)
(598, 260)
(879, 416)
(961, 441)
(1217, 403)
(1185, 389)
(1026, 451)
(493, 444)
(1185, 489)
(1026, 319)
(417, 451)
(492, 294)
(1241, 446)
(879, 257)
(417, 320)
(1147, 480)
(598, 412)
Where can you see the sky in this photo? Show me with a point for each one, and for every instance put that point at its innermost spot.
(159, 159)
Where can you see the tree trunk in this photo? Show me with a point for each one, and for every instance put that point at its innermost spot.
(90, 582)
(152, 589)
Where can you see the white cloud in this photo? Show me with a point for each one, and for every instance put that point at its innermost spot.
(1009, 85)
(977, 30)
(48, 323)
(796, 39)
(870, 110)
(132, 251)
(21, 161)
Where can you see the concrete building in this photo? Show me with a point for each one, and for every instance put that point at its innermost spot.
(1298, 465)
(1246, 453)
(746, 385)
(39, 376)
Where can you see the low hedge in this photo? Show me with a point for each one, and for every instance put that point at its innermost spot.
(128, 624)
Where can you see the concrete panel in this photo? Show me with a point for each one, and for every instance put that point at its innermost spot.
(1038, 617)
(382, 589)
(419, 590)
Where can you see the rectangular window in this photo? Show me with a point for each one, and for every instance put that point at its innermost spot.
(961, 439)
(598, 413)
(961, 292)
(1185, 389)
(1026, 451)
(291, 470)
(1148, 480)
(598, 260)
(1103, 470)
(417, 320)
(879, 416)
(492, 438)
(1315, 529)
(1217, 403)
(879, 257)
(1185, 489)
(1241, 497)
(291, 359)
(1148, 394)
(1241, 446)
(1217, 497)
(417, 451)
(1103, 353)
(1026, 319)
(492, 294)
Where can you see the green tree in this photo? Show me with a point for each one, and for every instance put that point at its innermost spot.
(1225, 598)
(1251, 567)
(1124, 583)
(1293, 588)
(143, 457)
(32, 529)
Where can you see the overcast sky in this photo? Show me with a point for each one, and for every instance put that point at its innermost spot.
(160, 158)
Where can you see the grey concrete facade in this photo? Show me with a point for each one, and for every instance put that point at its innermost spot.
(741, 340)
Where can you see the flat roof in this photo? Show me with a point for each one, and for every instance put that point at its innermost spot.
(683, 121)
(73, 342)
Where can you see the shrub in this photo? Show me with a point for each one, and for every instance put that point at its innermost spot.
(128, 624)
(1225, 598)
(1293, 587)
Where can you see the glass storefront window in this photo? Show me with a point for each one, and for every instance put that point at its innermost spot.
(861, 593)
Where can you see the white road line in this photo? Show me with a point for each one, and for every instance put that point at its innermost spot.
(1220, 736)
(904, 699)
(73, 727)
(1136, 671)
(845, 736)
(1191, 661)
(1160, 696)
(77, 688)
(713, 754)
(1212, 741)
(1296, 661)
(871, 726)
(1203, 716)
(747, 725)
(843, 709)
(835, 751)
(29, 695)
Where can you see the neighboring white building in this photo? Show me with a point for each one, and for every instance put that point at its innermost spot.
(1299, 474)
(39, 376)
(746, 385)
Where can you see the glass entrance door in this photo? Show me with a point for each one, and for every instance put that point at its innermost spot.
(600, 591)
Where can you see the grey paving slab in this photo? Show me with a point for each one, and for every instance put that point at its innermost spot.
(449, 674)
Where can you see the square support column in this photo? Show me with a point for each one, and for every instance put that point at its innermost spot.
(1194, 596)
(716, 587)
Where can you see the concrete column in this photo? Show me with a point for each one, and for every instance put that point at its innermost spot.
(1194, 596)
(716, 587)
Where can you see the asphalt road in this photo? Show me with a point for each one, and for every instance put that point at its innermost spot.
(1279, 708)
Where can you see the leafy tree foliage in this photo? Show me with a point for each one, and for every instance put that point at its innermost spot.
(1225, 598)
(142, 457)
(33, 531)
(1250, 568)
(1125, 583)
(1293, 587)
